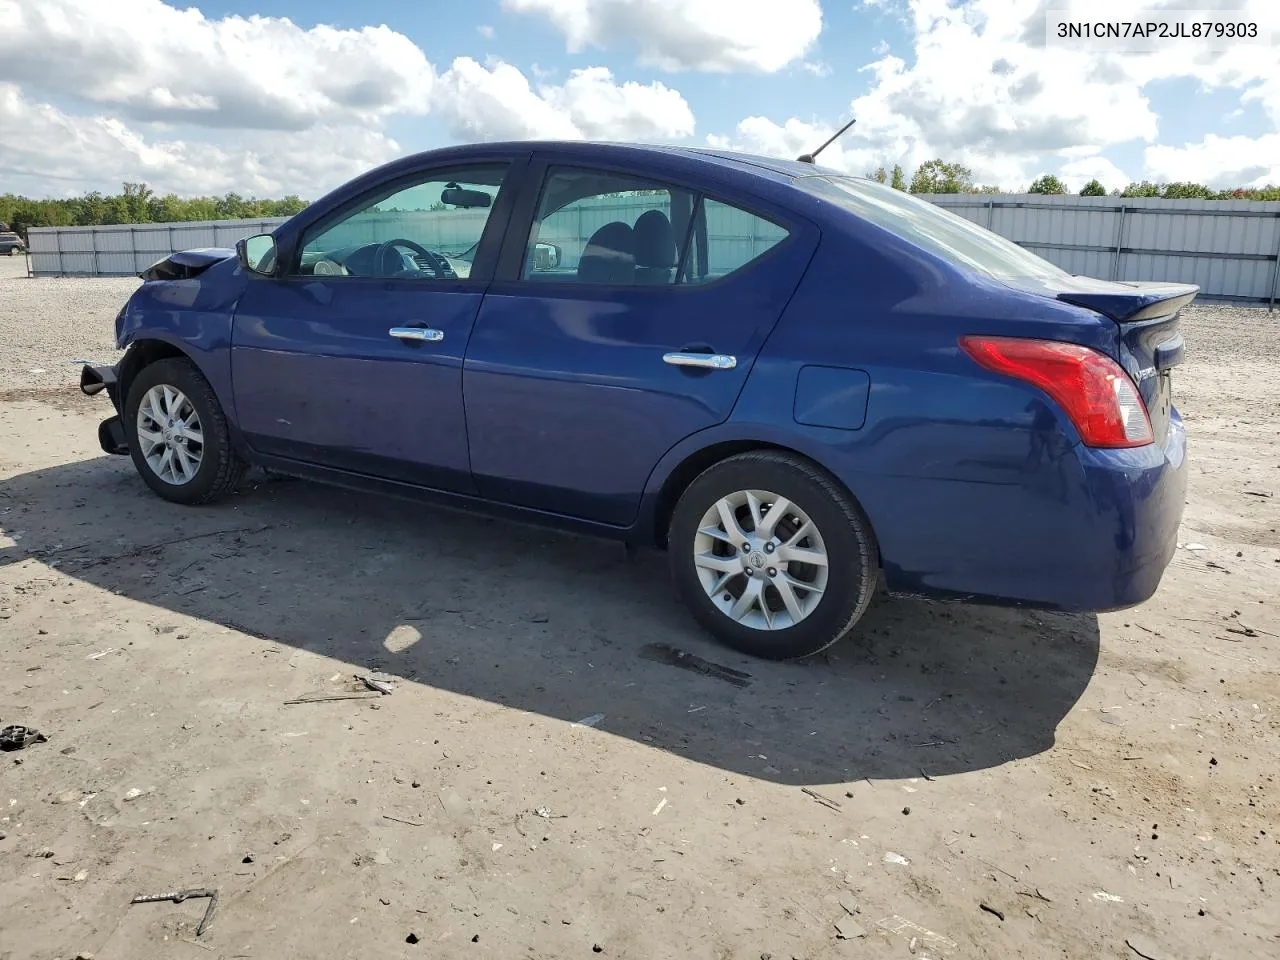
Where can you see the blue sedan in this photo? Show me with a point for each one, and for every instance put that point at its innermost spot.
(801, 385)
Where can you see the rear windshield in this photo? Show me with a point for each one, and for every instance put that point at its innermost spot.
(927, 225)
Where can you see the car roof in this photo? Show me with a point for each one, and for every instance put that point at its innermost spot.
(770, 168)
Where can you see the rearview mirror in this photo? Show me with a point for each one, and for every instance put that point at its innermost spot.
(456, 196)
(546, 256)
(257, 254)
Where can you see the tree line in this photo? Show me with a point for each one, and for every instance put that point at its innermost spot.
(137, 203)
(939, 176)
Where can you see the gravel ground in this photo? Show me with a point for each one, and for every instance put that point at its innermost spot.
(983, 782)
(38, 344)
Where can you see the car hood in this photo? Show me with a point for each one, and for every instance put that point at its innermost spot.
(186, 264)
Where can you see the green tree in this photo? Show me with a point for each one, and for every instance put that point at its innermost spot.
(879, 176)
(938, 176)
(1185, 191)
(898, 179)
(1047, 184)
(137, 203)
(1093, 189)
(1144, 189)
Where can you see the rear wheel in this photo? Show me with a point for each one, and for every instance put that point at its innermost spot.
(771, 556)
(178, 434)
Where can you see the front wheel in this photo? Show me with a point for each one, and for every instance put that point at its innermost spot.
(178, 435)
(771, 556)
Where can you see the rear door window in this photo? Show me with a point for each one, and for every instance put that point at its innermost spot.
(726, 239)
(606, 228)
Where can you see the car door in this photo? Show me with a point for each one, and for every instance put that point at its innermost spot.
(351, 357)
(626, 316)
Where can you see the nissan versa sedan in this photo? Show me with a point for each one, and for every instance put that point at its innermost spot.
(800, 384)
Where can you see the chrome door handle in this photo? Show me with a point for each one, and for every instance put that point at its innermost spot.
(708, 361)
(417, 333)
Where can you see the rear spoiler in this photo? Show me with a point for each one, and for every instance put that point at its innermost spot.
(1134, 302)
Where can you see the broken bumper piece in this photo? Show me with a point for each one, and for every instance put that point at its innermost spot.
(94, 380)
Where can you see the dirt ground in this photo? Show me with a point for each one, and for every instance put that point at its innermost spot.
(1001, 783)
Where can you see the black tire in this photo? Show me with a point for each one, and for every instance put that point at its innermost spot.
(221, 468)
(853, 558)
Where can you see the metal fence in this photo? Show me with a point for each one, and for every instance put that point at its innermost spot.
(1230, 248)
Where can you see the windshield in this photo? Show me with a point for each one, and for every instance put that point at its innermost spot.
(929, 226)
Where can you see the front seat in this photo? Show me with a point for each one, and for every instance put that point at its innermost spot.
(609, 256)
(655, 247)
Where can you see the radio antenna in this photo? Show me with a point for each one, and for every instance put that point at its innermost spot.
(809, 157)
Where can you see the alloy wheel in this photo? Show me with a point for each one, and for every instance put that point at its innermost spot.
(761, 560)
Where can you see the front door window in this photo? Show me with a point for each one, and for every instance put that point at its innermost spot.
(428, 231)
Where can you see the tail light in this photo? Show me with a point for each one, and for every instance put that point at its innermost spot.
(1099, 397)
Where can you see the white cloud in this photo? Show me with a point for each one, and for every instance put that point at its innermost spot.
(153, 62)
(1221, 162)
(1076, 173)
(711, 35)
(498, 103)
(62, 154)
(983, 89)
(485, 31)
(190, 104)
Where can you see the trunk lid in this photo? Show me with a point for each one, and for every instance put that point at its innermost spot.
(1147, 314)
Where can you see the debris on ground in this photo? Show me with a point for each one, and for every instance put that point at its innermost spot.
(897, 858)
(675, 657)
(327, 698)
(178, 896)
(17, 737)
(849, 904)
(590, 721)
(381, 686)
(1146, 948)
(849, 929)
(991, 910)
(825, 801)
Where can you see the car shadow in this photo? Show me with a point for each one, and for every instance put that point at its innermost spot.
(561, 625)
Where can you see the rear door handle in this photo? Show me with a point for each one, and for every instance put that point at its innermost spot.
(707, 361)
(420, 334)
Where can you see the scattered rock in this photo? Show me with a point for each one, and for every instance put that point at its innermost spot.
(849, 929)
(411, 938)
(248, 858)
(906, 811)
(850, 904)
(44, 853)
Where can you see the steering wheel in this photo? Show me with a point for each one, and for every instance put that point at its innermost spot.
(389, 264)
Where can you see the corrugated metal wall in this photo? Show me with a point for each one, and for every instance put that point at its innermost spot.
(124, 250)
(1231, 248)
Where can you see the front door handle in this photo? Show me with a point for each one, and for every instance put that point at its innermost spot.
(707, 361)
(419, 334)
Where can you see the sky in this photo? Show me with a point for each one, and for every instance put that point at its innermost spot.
(268, 97)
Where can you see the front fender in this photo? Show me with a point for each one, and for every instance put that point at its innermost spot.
(193, 317)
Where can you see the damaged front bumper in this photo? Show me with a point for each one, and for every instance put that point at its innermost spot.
(111, 431)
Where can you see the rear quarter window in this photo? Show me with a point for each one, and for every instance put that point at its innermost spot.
(951, 237)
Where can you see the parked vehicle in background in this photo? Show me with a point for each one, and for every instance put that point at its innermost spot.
(10, 243)
(798, 383)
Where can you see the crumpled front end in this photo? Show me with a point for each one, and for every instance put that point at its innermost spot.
(93, 380)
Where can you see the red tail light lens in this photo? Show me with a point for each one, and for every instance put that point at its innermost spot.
(1094, 391)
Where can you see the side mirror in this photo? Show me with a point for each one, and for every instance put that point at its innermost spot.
(257, 254)
(546, 256)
